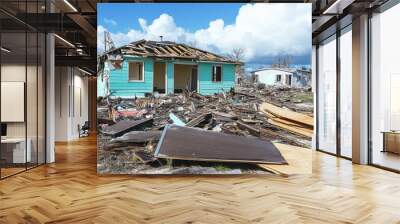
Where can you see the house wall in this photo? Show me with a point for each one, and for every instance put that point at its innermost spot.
(268, 77)
(121, 86)
(207, 86)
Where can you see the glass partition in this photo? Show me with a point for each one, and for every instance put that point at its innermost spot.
(22, 88)
(14, 153)
(346, 92)
(327, 95)
(385, 89)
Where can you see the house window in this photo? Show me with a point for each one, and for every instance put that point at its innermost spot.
(136, 71)
(278, 78)
(217, 73)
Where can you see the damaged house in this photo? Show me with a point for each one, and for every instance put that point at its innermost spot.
(299, 78)
(145, 67)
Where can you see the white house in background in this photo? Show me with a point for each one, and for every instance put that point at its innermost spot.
(282, 77)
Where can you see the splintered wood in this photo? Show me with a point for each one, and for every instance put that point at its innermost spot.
(291, 121)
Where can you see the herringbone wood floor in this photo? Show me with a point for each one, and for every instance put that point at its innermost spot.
(70, 191)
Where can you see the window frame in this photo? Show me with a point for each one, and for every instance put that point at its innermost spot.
(212, 74)
(278, 78)
(129, 65)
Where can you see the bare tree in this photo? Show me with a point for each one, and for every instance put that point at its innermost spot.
(282, 61)
(238, 55)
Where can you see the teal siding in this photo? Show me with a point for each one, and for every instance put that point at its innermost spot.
(170, 77)
(120, 85)
(207, 86)
(100, 87)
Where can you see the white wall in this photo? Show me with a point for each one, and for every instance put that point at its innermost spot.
(268, 76)
(70, 83)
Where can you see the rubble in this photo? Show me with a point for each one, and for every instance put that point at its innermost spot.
(129, 147)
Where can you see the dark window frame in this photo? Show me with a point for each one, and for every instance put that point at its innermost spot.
(278, 78)
(214, 74)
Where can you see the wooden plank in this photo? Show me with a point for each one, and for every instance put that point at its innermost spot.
(138, 137)
(131, 51)
(177, 50)
(288, 114)
(252, 130)
(296, 130)
(163, 50)
(124, 126)
(199, 119)
(171, 50)
(299, 160)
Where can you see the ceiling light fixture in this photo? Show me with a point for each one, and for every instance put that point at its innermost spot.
(64, 40)
(337, 7)
(70, 5)
(5, 50)
(84, 71)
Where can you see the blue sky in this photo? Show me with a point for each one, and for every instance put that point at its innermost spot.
(263, 31)
(126, 14)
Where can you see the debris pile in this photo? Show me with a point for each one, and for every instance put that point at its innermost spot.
(131, 130)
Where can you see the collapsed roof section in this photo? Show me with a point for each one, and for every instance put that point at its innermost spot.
(164, 50)
(169, 50)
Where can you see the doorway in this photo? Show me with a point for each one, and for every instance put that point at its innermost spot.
(185, 77)
(159, 77)
(193, 80)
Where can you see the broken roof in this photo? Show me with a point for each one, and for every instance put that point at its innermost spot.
(289, 70)
(168, 49)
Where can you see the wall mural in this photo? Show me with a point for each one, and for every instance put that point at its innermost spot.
(204, 88)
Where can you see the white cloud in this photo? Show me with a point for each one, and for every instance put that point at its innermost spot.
(110, 22)
(262, 30)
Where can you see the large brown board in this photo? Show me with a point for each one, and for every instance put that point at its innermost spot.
(199, 145)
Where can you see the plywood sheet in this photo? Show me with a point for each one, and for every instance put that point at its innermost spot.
(187, 143)
(299, 160)
(294, 129)
(288, 114)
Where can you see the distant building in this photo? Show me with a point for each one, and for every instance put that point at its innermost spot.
(282, 77)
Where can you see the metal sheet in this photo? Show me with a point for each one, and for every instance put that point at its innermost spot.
(196, 144)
